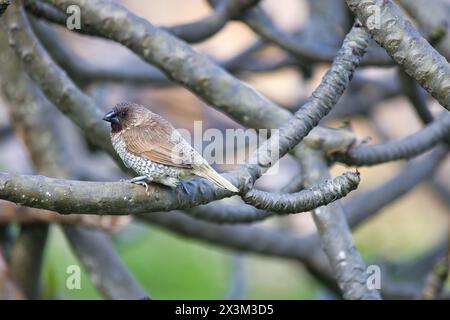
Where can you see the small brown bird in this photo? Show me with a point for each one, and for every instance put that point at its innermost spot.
(155, 150)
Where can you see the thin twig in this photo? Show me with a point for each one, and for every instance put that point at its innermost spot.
(408, 147)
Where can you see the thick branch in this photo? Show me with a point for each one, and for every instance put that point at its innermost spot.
(84, 72)
(35, 118)
(265, 241)
(70, 196)
(96, 252)
(346, 262)
(180, 63)
(53, 14)
(8, 287)
(366, 204)
(25, 104)
(432, 20)
(53, 81)
(258, 20)
(220, 212)
(26, 258)
(206, 27)
(347, 60)
(322, 100)
(190, 32)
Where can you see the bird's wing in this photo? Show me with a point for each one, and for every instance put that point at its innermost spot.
(159, 142)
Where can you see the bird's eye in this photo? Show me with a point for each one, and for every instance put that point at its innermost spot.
(123, 113)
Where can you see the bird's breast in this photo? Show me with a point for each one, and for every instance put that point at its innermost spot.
(119, 146)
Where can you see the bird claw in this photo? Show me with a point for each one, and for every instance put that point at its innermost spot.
(142, 183)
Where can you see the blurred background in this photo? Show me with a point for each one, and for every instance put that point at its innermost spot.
(175, 267)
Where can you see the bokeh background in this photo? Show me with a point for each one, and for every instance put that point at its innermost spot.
(175, 267)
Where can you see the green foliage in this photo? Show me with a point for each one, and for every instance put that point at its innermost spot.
(171, 267)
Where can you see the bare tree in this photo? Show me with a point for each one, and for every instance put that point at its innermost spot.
(39, 74)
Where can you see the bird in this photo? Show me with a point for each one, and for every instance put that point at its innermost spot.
(155, 150)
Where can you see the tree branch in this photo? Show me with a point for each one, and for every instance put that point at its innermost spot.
(83, 72)
(56, 79)
(84, 197)
(259, 21)
(180, 63)
(364, 205)
(305, 200)
(96, 252)
(220, 212)
(322, 100)
(71, 196)
(346, 262)
(53, 80)
(417, 97)
(405, 148)
(8, 287)
(406, 46)
(26, 258)
(35, 118)
(191, 32)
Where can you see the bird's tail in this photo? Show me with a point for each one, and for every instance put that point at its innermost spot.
(210, 174)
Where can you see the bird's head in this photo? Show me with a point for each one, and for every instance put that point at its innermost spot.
(123, 115)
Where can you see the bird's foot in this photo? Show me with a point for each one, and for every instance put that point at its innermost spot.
(143, 183)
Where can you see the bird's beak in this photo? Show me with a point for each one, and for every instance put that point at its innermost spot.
(111, 117)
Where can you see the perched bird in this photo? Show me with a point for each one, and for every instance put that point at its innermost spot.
(155, 150)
